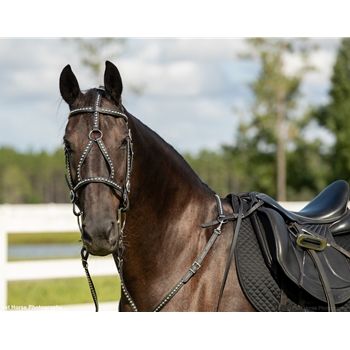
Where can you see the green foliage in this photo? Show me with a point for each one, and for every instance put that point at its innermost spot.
(273, 114)
(32, 177)
(213, 169)
(335, 116)
(238, 169)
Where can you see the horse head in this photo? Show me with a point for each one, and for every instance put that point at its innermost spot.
(98, 151)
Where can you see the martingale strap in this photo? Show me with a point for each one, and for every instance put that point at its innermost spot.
(187, 276)
(197, 264)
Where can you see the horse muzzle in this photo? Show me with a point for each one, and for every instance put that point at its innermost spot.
(100, 239)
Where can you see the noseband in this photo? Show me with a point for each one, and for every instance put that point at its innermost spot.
(95, 136)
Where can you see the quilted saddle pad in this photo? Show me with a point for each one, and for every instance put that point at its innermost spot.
(261, 288)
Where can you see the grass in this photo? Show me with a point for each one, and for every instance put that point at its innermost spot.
(62, 291)
(43, 238)
(58, 291)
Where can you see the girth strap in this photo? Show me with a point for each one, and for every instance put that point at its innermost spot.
(239, 215)
(324, 280)
(233, 246)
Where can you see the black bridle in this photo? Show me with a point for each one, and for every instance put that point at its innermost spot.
(95, 136)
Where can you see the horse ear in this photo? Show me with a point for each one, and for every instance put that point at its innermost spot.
(69, 86)
(113, 81)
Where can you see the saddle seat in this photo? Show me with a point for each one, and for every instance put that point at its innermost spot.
(314, 270)
(328, 207)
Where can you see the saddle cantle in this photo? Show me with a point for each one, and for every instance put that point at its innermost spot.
(300, 247)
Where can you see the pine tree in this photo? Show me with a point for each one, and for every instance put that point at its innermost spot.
(336, 115)
(276, 95)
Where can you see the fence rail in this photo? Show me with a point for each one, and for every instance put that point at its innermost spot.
(36, 218)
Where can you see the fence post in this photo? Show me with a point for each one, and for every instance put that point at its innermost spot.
(3, 259)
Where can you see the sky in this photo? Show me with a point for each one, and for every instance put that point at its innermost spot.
(194, 91)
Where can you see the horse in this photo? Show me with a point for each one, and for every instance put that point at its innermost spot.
(171, 236)
(164, 207)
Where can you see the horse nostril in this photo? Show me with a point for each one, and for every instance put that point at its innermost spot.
(113, 242)
(87, 237)
(112, 234)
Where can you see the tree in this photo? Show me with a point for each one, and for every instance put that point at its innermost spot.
(273, 112)
(335, 116)
(32, 177)
(95, 51)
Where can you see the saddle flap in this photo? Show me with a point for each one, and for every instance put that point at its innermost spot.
(281, 251)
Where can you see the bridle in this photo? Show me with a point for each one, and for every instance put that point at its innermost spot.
(95, 136)
(97, 110)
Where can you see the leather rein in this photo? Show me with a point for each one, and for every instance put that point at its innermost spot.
(95, 136)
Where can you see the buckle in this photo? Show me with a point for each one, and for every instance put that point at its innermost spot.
(311, 242)
(72, 196)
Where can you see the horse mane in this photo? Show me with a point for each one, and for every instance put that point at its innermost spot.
(169, 149)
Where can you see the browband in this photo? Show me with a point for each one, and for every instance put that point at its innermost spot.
(98, 109)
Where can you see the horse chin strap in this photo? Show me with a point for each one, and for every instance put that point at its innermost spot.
(95, 136)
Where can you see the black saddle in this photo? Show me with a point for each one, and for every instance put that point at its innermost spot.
(327, 208)
(299, 248)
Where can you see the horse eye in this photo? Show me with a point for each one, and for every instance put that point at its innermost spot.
(67, 146)
(124, 143)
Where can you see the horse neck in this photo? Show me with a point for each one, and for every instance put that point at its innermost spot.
(168, 204)
(161, 179)
(168, 201)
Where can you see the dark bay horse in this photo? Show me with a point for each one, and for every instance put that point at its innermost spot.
(147, 209)
(175, 242)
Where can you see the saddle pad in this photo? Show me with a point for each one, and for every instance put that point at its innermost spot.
(258, 284)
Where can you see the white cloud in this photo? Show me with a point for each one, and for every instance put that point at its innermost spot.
(191, 87)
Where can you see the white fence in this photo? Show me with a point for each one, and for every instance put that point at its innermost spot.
(36, 218)
(50, 218)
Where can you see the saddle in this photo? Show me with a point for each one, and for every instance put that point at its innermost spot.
(301, 250)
